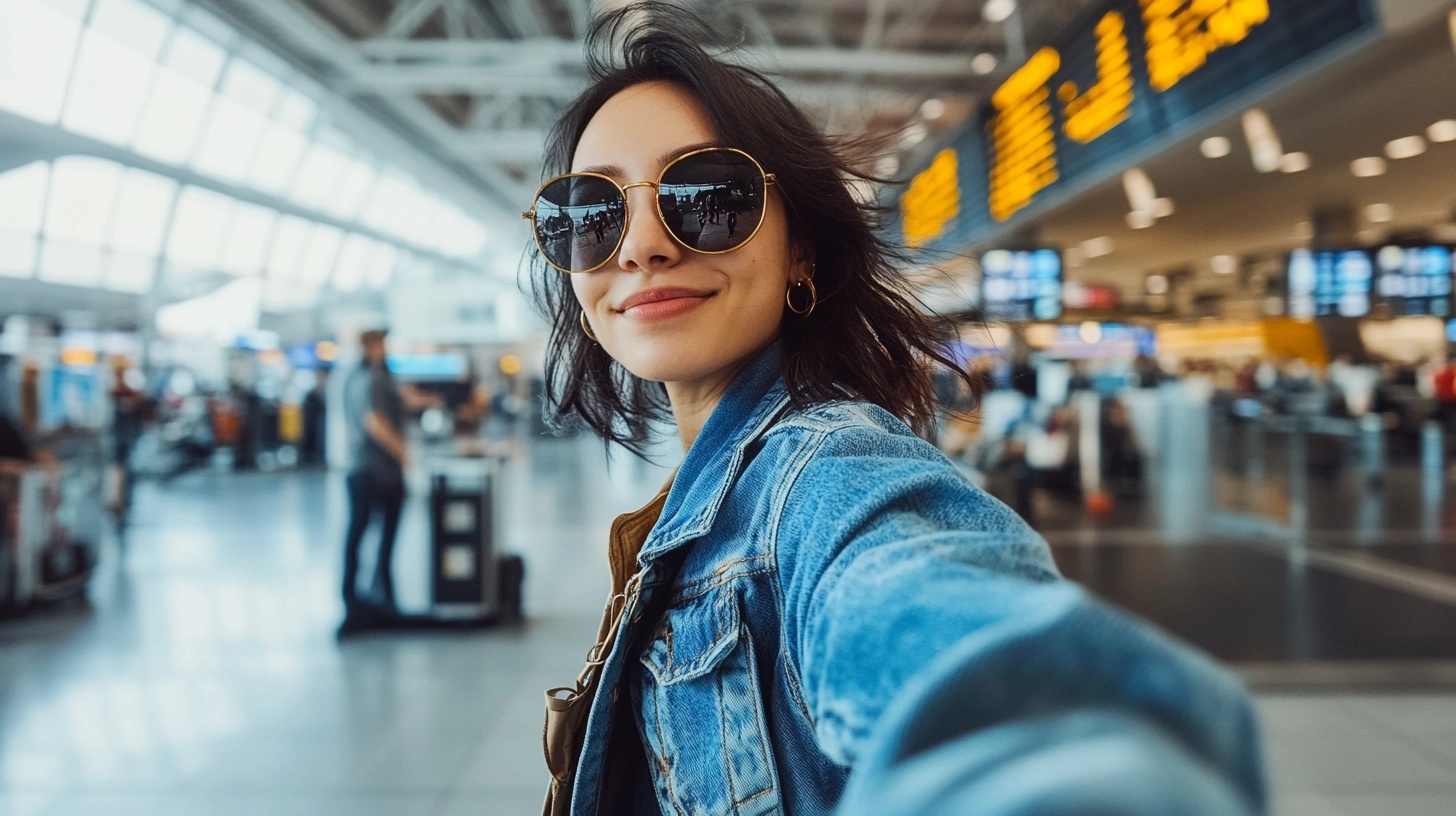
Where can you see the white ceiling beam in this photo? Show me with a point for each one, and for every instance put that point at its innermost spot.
(527, 144)
(395, 80)
(581, 15)
(547, 50)
(498, 145)
(911, 23)
(527, 16)
(757, 25)
(408, 15)
(874, 29)
(458, 62)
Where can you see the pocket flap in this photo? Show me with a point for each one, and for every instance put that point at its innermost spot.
(693, 638)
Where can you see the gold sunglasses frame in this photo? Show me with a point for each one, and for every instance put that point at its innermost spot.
(530, 215)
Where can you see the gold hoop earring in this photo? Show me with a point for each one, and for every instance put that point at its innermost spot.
(813, 297)
(586, 329)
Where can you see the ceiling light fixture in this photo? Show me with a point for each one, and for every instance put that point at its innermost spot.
(1379, 213)
(984, 63)
(1215, 147)
(1139, 190)
(1157, 285)
(1405, 147)
(997, 11)
(1144, 206)
(1368, 166)
(1442, 131)
(1294, 162)
(913, 135)
(1304, 230)
(1097, 247)
(1224, 264)
(932, 108)
(1263, 139)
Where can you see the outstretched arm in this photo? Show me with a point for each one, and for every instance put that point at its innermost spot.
(943, 659)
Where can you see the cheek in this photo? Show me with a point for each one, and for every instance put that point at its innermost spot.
(589, 290)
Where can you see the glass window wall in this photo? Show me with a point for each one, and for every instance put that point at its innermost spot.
(175, 85)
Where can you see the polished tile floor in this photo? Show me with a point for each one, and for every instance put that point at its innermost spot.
(203, 679)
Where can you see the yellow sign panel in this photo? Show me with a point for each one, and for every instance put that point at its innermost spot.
(934, 198)
(1180, 34)
(1108, 102)
(1023, 157)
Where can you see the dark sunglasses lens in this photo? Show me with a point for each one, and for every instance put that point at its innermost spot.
(712, 201)
(579, 221)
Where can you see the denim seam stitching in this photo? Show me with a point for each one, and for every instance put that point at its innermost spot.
(808, 446)
(721, 580)
(746, 643)
(723, 734)
(664, 765)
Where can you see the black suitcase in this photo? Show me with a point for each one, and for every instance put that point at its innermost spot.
(510, 574)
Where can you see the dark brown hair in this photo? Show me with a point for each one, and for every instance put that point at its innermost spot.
(866, 339)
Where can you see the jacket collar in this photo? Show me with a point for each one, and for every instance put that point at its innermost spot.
(751, 405)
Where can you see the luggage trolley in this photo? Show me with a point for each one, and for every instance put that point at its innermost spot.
(470, 582)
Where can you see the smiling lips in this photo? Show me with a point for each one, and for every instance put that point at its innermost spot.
(653, 304)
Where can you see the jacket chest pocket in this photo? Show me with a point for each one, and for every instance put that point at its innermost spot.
(703, 715)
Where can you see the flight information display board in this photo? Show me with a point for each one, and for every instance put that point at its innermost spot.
(1128, 73)
(1021, 284)
(1414, 280)
(1330, 282)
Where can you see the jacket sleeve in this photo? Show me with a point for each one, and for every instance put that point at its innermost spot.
(943, 658)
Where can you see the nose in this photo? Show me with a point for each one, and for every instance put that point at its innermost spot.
(647, 245)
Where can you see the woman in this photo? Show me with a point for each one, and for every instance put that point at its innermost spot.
(819, 612)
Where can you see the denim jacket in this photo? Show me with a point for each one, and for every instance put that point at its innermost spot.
(855, 626)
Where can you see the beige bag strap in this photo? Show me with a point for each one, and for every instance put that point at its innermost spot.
(567, 706)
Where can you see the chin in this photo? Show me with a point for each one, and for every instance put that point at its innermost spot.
(666, 364)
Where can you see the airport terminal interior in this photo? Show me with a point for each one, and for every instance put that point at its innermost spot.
(1201, 255)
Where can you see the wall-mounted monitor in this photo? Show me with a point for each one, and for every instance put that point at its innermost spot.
(415, 367)
(1414, 280)
(1329, 282)
(1021, 284)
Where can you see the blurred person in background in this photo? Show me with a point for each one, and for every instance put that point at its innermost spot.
(315, 420)
(818, 613)
(1443, 390)
(16, 452)
(1122, 460)
(129, 410)
(374, 411)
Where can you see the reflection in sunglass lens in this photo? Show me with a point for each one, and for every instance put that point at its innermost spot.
(579, 221)
(712, 201)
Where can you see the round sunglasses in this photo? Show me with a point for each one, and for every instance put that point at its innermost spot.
(710, 201)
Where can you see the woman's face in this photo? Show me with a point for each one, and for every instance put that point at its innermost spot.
(709, 313)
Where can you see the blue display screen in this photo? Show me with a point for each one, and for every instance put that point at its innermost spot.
(1414, 280)
(1021, 284)
(1329, 282)
(428, 366)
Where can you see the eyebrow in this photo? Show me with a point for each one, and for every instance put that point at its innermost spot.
(615, 171)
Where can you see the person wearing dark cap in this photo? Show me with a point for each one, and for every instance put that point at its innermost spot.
(374, 411)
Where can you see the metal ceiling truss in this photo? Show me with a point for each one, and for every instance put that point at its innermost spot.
(475, 84)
